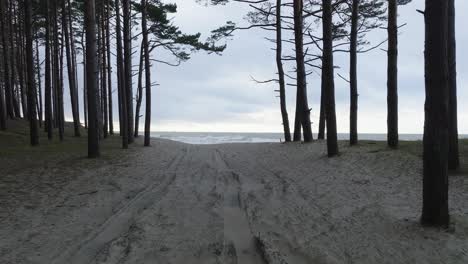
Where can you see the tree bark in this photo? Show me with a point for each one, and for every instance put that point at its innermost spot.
(139, 91)
(48, 85)
(279, 64)
(32, 93)
(71, 74)
(147, 75)
(109, 69)
(322, 118)
(121, 78)
(127, 32)
(392, 72)
(453, 159)
(353, 133)
(39, 86)
(302, 106)
(435, 156)
(91, 79)
(8, 84)
(328, 78)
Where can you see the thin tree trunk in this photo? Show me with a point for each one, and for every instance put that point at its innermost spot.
(39, 86)
(328, 78)
(279, 64)
(33, 127)
(453, 159)
(392, 83)
(104, 77)
(71, 73)
(435, 156)
(109, 69)
(353, 133)
(322, 118)
(14, 97)
(128, 66)
(139, 91)
(122, 83)
(91, 79)
(48, 87)
(304, 111)
(147, 75)
(6, 73)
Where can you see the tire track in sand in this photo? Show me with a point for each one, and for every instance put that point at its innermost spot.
(119, 222)
(240, 246)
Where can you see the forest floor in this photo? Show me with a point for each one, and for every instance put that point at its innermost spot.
(230, 203)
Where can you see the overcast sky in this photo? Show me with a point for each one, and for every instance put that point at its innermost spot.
(216, 93)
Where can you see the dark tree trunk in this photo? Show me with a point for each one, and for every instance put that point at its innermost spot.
(453, 159)
(435, 156)
(20, 65)
(109, 69)
(39, 86)
(8, 99)
(14, 96)
(7, 78)
(139, 92)
(297, 121)
(322, 118)
(328, 78)
(33, 127)
(303, 112)
(392, 72)
(91, 79)
(85, 90)
(127, 32)
(56, 73)
(147, 75)
(121, 78)
(353, 133)
(104, 77)
(279, 64)
(71, 74)
(48, 85)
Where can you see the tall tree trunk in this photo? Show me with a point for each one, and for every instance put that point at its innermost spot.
(20, 65)
(303, 105)
(85, 90)
(39, 82)
(6, 73)
(121, 77)
(56, 72)
(139, 90)
(453, 159)
(322, 118)
(104, 76)
(392, 72)
(91, 79)
(48, 73)
(127, 35)
(353, 133)
(147, 74)
(436, 134)
(109, 69)
(328, 78)
(71, 73)
(33, 127)
(14, 97)
(279, 64)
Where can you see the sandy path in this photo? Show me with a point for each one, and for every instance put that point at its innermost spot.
(234, 203)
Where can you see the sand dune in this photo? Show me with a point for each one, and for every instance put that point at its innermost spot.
(230, 203)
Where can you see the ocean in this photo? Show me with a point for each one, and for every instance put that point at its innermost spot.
(228, 137)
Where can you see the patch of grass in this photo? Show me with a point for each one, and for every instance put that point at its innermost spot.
(16, 153)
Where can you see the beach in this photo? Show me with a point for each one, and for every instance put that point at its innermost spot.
(228, 203)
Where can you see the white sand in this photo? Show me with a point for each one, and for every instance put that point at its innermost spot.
(233, 203)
